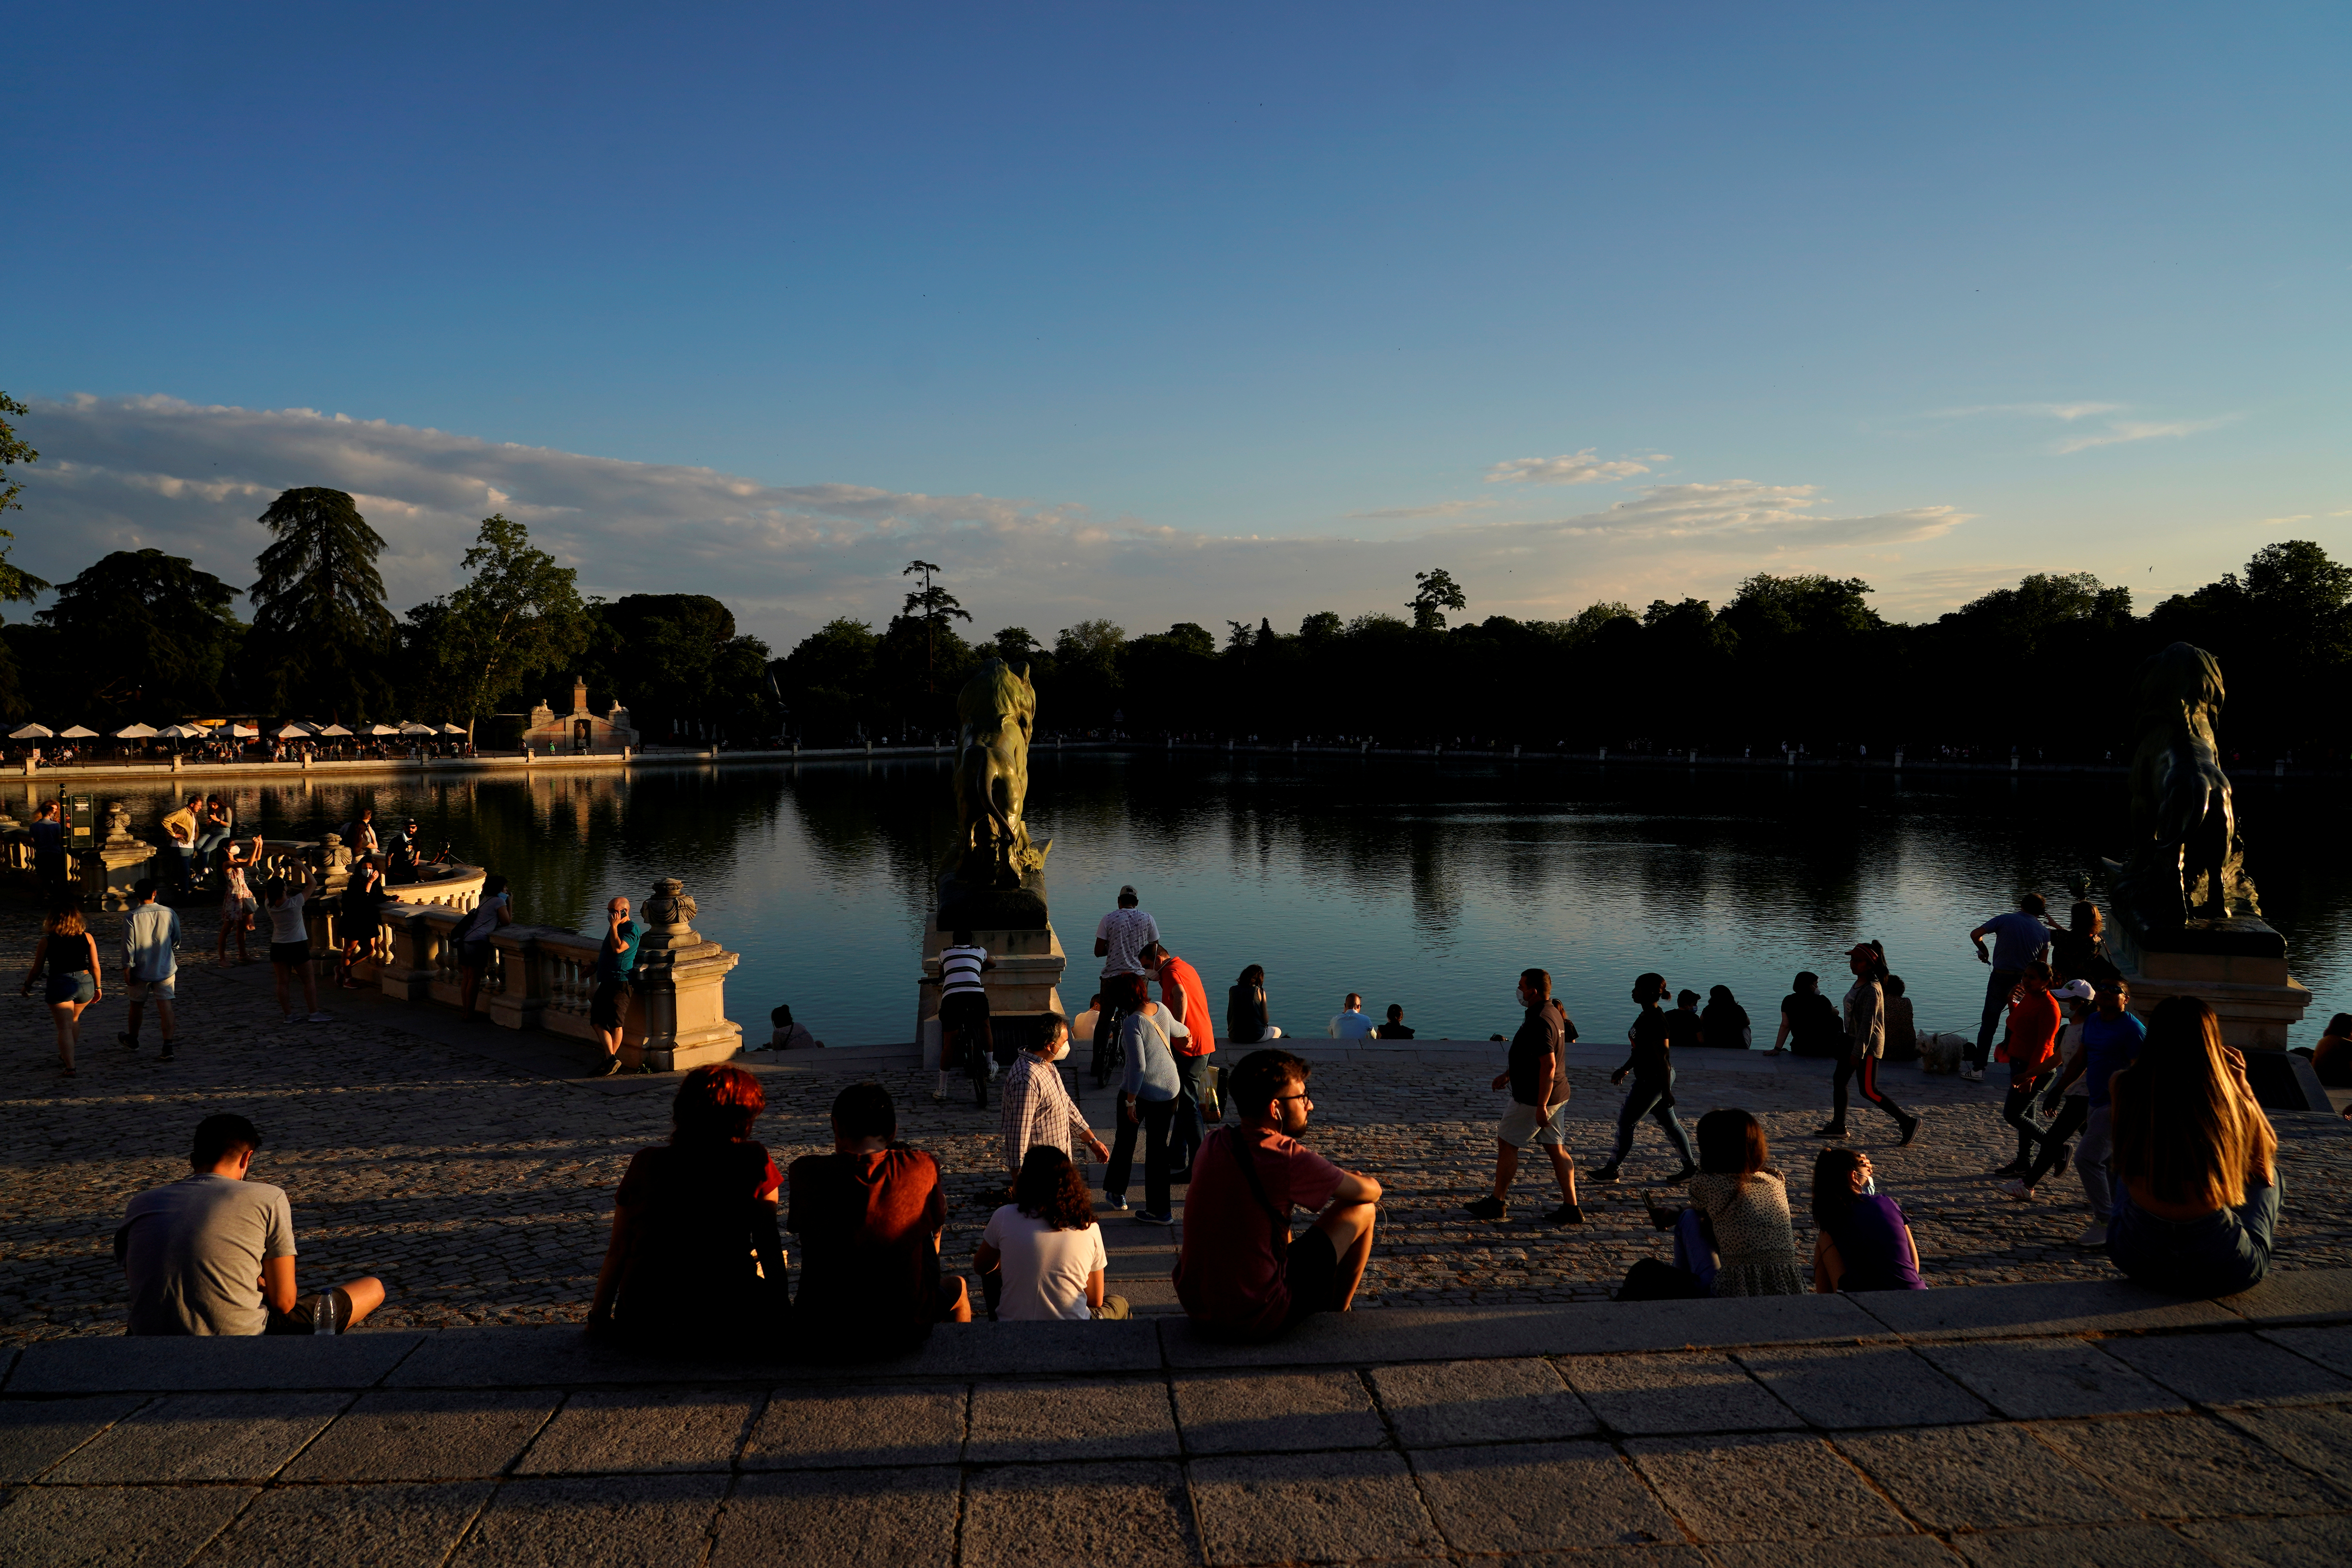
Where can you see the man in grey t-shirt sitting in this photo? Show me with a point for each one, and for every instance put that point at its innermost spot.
(213, 1252)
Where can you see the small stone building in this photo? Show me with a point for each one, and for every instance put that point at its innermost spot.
(579, 731)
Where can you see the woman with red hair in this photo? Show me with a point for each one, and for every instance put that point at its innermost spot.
(689, 1220)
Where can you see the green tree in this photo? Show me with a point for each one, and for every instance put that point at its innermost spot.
(15, 583)
(933, 604)
(1323, 625)
(321, 636)
(519, 616)
(1436, 594)
(828, 679)
(146, 636)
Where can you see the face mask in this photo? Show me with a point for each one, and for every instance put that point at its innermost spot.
(1870, 1186)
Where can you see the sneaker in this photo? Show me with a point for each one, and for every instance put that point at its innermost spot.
(1973, 1074)
(165, 1054)
(1605, 1175)
(320, 1019)
(1490, 1208)
(1679, 1177)
(290, 1017)
(1145, 1217)
(1835, 1130)
(1567, 1213)
(2018, 1189)
(2014, 1168)
(612, 1065)
(132, 1041)
(1115, 1201)
(1911, 1130)
(2094, 1235)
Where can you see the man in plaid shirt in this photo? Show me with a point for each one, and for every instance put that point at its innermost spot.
(1037, 1108)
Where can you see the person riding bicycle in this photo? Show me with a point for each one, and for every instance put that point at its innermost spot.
(964, 1037)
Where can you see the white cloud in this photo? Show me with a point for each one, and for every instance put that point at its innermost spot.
(2067, 411)
(122, 473)
(2120, 431)
(1441, 509)
(1576, 469)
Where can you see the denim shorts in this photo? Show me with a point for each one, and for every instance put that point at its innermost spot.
(82, 987)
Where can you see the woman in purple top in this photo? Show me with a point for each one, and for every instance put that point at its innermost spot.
(1862, 1241)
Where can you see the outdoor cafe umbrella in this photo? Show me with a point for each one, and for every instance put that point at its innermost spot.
(453, 728)
(135, 732)
(180, 732)
(78, 733)
(293, 732)
(414, 728)
(382, 729)
(243, 732)
(332, 730)
(33, 733)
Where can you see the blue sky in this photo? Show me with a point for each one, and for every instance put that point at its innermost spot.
(1191, 313)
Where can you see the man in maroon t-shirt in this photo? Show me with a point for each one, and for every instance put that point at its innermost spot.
(1240, 1272)
(1184, 994)
(868, 1217)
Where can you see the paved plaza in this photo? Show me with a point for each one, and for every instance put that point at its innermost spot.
(472, 1169)
(2082, 1425)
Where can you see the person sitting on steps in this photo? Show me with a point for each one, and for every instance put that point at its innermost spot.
(213, 1252)
(1041, 1256)
(1240, 1273)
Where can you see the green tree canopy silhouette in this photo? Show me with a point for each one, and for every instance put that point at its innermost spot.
(321, 636)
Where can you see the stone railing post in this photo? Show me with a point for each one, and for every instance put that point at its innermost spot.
(517, 989)
(408, 973)
(681, 985)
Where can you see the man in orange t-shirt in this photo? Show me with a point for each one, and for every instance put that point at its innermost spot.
(1183, 993)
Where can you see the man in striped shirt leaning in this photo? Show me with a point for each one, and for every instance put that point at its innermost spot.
(1037, 1108)
(963, 1011)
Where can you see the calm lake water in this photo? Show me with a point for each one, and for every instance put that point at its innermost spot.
(1425, 882)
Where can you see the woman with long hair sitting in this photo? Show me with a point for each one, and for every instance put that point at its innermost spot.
(1745, 1205)
(689, 1219)
(2198, 1196)
(1041, 1256)
(1862, 1241)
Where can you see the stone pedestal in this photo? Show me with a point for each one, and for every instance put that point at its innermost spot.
(2237, 967)
(109, 871)
(681, 986)
(1028, 955)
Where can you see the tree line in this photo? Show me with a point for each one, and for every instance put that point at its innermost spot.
(141, 634)
(1796, 661)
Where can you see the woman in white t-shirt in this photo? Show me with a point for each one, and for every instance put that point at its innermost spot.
(289, 948)
(1041, 1256)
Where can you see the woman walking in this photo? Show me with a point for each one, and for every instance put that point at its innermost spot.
(1147, 1101)
(69, 953)
(2198, 1201)
(1864, 1016)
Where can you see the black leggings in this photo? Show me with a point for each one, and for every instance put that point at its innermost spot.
(2072, 1114)
(1865, 1076)
(2018, 1112)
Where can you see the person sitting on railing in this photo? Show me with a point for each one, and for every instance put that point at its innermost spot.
(616, 964)
(690, 1217)
(364, 900)
(400, 852)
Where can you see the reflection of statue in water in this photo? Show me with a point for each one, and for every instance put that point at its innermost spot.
(2187, 860)
(994, 714)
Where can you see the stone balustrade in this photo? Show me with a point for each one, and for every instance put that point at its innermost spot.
(543, 977)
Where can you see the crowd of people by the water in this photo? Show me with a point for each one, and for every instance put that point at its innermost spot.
(2176, 1158)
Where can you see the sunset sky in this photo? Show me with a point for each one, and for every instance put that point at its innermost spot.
(1190, 312)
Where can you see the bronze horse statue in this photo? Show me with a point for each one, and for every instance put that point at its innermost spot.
(995, 712)
(2187, 860)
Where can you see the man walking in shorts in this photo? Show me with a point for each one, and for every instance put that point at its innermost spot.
(150, 939)
(1536, 1076)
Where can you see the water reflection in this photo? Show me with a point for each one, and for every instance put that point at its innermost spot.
(1425, 883)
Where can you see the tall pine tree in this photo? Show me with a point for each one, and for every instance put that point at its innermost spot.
(322, 638)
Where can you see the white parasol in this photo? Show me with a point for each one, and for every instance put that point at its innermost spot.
(453, 728)
(332, 730)
(78, 733)
(181, 732)
(383, 729)
(33, 733)
(414, 728)
(135, 732)
(292, 732)
(244, 732)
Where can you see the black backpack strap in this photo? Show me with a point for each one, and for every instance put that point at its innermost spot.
(1247, 1159)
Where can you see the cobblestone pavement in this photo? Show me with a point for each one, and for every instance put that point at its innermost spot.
(473, 1172)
